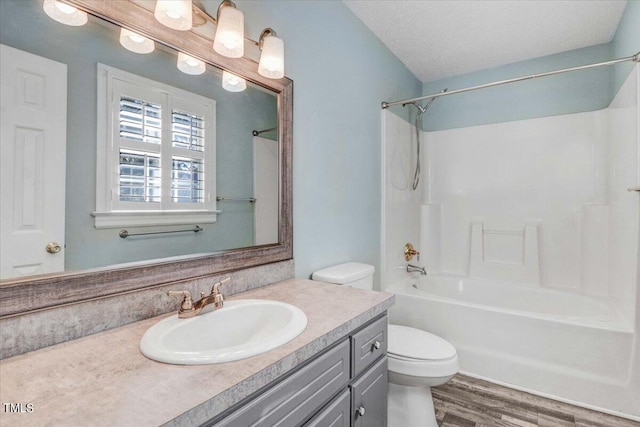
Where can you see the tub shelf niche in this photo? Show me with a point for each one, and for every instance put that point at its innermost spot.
(510, 255)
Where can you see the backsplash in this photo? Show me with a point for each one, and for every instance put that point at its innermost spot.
(28, 332)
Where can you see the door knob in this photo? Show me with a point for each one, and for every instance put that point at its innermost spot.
(361, 411)
(53, 247)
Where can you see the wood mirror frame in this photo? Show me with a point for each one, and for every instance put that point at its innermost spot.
(20, 296)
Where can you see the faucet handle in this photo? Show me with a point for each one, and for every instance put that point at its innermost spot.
(218, 298)
(214, 288)
(187, 302)
(410, 252)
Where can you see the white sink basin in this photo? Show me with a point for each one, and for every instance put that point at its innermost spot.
(241, 329)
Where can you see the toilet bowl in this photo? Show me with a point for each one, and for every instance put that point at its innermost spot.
(417, 360)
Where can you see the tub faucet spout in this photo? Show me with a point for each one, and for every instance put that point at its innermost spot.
(411, 268)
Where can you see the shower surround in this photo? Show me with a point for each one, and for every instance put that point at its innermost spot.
(530, 238)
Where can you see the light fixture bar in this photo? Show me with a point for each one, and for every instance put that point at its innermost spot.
(196, 9)
(97, 8)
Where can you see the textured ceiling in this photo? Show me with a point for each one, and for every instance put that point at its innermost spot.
(439, 38)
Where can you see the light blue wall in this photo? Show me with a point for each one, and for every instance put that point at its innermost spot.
(626, 42)
(573, 92)
(341, 74)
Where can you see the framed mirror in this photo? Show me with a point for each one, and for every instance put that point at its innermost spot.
(241, 223)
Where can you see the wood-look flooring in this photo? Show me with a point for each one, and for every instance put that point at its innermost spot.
(470, 402)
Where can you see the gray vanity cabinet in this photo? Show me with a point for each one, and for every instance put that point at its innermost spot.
(367, 345)
(369, 397)
(291, 401)
(344, 386)
(335, 414)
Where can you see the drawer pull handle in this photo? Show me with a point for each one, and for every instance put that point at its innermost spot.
(360, 411)
(376, 345)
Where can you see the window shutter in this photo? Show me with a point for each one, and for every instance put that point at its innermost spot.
(187, 174)
(140, 177)
(158, 153)
(140, 120)
(187, 130)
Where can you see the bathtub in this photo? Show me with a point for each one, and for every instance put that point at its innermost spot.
(559, 344)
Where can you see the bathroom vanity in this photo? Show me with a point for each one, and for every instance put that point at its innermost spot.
(354, 370)
(329, 375)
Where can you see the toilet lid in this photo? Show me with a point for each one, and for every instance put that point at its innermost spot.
(418, 344)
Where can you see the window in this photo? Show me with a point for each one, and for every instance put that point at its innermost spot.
(156, 153)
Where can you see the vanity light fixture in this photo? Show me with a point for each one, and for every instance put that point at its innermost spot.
(65, 13)
(233, 83)
(135, 42)
(229, 37)
(272, 57)
(179, 15)
(176, 14)
(190, 65)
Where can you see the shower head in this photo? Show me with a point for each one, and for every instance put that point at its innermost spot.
(426, 107)
(421, 108)
(415, 104)
(421, 111)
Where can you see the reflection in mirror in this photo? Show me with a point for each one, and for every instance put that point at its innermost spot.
(153, 158)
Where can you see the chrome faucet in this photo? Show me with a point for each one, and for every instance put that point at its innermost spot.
(412, 268)
(188, 308)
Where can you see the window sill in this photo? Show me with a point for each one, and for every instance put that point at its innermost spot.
(117, 219)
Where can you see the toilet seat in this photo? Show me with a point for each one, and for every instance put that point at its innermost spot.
(418, 353)
(423, 368)
(417, 344)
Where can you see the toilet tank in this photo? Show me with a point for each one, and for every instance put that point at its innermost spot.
(352, 274)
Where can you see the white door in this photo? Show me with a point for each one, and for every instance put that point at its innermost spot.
(33, 132)
(266, 185)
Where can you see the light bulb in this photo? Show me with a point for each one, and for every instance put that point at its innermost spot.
(172, 14)
(190, 65)
(136, 38)
(64, 13)
(135, 42)
(272, 57)
(176, 14)
(233, 83)
(229, 38)
(65, 8)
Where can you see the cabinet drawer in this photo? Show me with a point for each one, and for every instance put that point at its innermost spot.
(290, 402)
(369, 397)
(367, 345)
(336, 414)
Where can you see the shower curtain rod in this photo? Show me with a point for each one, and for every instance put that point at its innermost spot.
(635, 58)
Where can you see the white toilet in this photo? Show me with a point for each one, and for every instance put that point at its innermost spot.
(417, 359)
